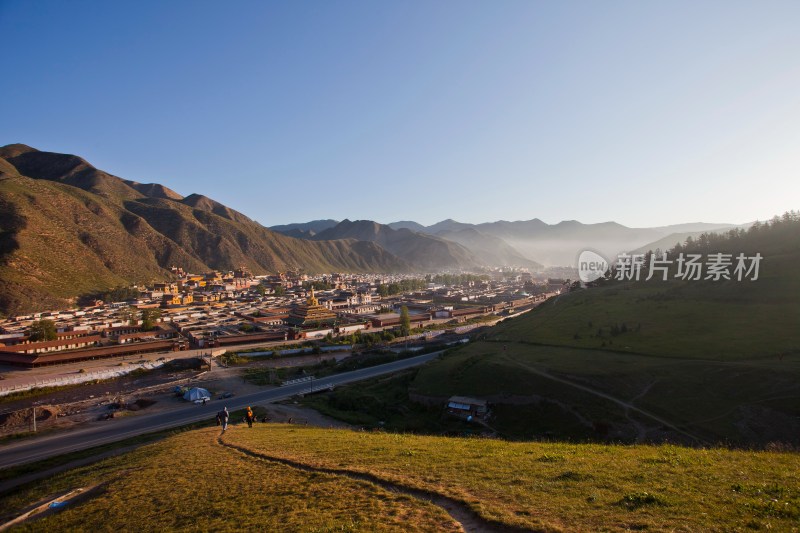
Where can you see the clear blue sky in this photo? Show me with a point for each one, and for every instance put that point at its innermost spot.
(647, 113)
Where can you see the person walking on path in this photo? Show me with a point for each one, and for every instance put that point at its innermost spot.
(222, 416)
(249, 417)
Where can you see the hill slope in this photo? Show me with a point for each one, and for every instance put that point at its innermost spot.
(291, 478)
(68, 229)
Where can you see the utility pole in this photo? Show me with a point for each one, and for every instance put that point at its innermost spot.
(34, 419)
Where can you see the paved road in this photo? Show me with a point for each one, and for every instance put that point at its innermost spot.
(29, 450)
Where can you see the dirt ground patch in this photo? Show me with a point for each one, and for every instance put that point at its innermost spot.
(24, 418)
(141, 403)
(93, 402)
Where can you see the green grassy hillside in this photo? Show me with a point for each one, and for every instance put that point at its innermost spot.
(723, 320)
(564, 392)
(290, 478)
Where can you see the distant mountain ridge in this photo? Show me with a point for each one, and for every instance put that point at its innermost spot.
(531, 243)
(479, 249)
(305, 229)
(426, 251)
(560, 244)
(67, 228)
(489, 250)
(407, 224)
(464, 248)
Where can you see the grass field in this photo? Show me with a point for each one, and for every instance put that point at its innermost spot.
(291, 478)
(722, 321)
(741, 402)
(192, 482)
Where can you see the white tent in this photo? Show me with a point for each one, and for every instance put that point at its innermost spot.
(196, 394)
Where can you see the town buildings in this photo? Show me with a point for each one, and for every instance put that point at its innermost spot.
(219, 309)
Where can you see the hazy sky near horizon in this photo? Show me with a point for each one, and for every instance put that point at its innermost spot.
(646, 113)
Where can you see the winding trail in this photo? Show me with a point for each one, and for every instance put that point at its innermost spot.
(626, 405)
(460, 512)
(644, 391)
(641, 429)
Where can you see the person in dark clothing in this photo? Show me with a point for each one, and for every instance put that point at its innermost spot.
(223, 416)
(249, 417)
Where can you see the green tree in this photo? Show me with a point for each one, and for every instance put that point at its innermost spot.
(129, 315)
(279, 291)
(43, 330)
(118, 294)
(405, 322)
(149, 318)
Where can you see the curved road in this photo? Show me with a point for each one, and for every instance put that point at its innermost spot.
(30, 450)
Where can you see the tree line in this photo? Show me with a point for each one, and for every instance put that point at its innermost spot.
(780, 233)
(456, 279)
(405, 285)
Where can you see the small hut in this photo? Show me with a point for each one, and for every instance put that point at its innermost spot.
(465, 407)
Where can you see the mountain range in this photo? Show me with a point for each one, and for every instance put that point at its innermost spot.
(527, 243)
(426, 251)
